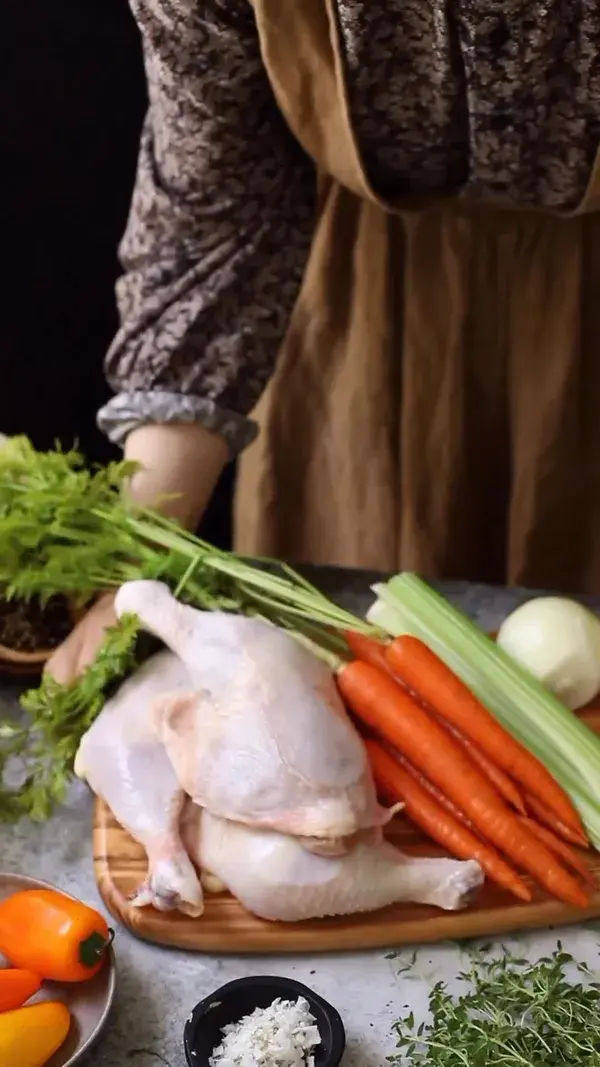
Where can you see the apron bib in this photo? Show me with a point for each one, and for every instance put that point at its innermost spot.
(436, 401)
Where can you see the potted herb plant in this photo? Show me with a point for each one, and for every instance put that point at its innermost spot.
(30, 631)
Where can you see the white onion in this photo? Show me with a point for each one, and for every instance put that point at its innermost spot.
(558, 641)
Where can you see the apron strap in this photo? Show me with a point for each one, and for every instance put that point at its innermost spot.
(591, 199)
(300, 48)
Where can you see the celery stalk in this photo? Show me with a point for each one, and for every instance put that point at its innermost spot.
(387, 616)
(565, 745)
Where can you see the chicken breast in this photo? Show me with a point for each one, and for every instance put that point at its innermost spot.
(261, 736)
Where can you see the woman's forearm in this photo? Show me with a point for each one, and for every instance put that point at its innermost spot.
(219, 230)
(180, 464)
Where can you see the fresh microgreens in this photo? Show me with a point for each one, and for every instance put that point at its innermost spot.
(512, 1014)
(66, 529)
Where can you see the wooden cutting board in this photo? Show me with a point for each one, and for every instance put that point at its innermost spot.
(226, 927)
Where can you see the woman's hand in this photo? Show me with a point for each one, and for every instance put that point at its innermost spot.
(81, 646)
(179, 465)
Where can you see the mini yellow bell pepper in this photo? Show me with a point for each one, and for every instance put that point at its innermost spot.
(30, 1036)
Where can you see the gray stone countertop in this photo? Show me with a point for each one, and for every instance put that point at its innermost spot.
(158, 987)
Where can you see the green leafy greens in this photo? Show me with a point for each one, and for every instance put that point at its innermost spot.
(512, 1014)
(58, 716)
(67, 529)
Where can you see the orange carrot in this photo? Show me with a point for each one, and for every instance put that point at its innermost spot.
(368, 650)
(433, 790)
(496, 775)
(385, 707)
(374, 652)
(553, 823)
(424, 782)
(560, 848)
(423, 809)
(420, 669)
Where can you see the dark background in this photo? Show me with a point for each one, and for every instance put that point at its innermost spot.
(72, 99)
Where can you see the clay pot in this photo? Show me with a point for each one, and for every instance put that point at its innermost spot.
(23, 664)
(17, 664)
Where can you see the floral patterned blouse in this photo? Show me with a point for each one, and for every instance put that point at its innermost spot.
(473, 98)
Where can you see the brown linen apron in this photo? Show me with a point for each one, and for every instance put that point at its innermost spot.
(436, 401)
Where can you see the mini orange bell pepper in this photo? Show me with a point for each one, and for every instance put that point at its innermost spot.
(53, 935)
(16, 987)
(30, 1036)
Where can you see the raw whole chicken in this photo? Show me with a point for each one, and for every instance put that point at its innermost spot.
(271, 873)
(261, 735)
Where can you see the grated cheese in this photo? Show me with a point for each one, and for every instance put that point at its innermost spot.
(282, 1035)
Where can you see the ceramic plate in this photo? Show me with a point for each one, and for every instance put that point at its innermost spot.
(89, 1002)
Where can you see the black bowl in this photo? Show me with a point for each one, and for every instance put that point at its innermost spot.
(232, 1002)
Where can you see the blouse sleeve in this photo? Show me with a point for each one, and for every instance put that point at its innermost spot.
(219, 228)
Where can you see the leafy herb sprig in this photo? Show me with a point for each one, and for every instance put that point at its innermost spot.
(57, 718)
(513, 1014)
(67, 529)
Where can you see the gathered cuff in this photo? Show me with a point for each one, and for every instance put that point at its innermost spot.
(127, 411)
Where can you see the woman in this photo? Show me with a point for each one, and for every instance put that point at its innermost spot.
(398, 199)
